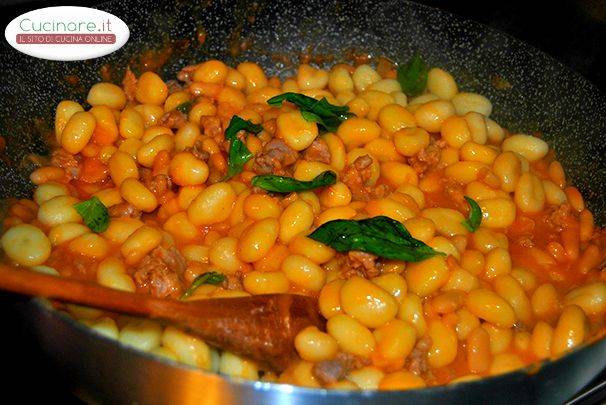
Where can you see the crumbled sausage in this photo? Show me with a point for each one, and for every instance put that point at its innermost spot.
(275, 158)
(172, 258)
(362, 165)
(428, 158)
(212, 128)
(198, 151)
(331, 371)
(417, 360)
(159, 185)
(185, 74)
(317, 152)
(129, 84)
(173, 119)
(360, 263)
(70, 265)
(233, 281)
(173, 86)
(68, 162)
(560, 217)
(455, 193)
(160, 272)
(356, 174)
(124, 210)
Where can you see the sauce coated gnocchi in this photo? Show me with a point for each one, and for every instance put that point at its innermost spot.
(524, 286)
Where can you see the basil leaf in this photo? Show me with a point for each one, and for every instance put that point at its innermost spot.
(185, 107)
(238, 156)
(210, 277)
(94, 214)
(321, 111)
(238, 152)
(413, 76)
(381, 236)
(311, 117)
(281, 184)
(475, 215)
(238, 124)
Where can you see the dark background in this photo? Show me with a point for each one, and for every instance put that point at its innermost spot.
(572, 31)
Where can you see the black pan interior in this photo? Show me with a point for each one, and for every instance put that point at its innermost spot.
(543, 95)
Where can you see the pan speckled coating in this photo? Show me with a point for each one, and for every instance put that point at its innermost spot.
(544, 96)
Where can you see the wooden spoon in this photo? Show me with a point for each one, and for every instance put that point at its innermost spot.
(261, 327)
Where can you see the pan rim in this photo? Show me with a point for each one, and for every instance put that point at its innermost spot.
(338, 393)
(524, 372)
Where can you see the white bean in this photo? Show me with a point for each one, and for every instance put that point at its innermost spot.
(467, 102)
(142, 334)
(26, 244)
(59, 210)
(530, 147)
(364, 76)
(189, 349)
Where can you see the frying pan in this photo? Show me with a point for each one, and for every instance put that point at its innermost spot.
(541, 95)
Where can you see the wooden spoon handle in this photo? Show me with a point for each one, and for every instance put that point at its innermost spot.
(77, 292)
(262, 327)
(92, 294)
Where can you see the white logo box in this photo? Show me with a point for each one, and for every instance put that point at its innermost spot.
(67, 33)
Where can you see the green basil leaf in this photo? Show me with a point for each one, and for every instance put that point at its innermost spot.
(237, 158)
(185, 107)
(94, 214)
(311, 117)
(281, 184)
(321, 111)
(238, 124)
(238, 152)
(413, 76)
(381, 236)
(210, 277)
(475, 215)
